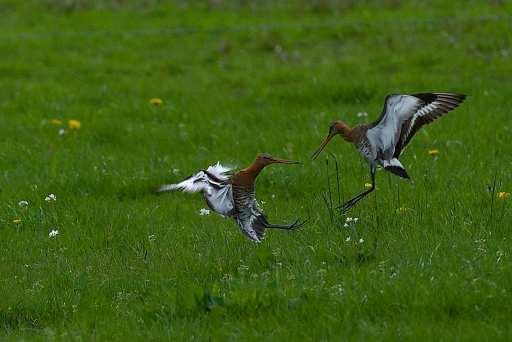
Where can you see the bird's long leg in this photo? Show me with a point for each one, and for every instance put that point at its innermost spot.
(292, 226)
(353, 201)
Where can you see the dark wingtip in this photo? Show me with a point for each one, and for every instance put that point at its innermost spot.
(398, 171)
(459, 97)
(430, 97)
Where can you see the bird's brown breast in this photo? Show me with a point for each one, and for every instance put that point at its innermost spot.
(243, 179)
(358, 134)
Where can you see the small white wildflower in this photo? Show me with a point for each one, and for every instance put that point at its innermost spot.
(50, 197)
(53, 233)
(349, 219)
(361, 240)
(204, 211)
(346, 225)
(62, 131)
(362, 114)
(152, 237)
(347, 239)
(355, 219)
(23, 203)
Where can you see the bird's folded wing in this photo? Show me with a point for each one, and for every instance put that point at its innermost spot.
(252, 223)
(220, 199)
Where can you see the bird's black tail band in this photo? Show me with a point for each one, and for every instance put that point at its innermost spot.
(397, 170)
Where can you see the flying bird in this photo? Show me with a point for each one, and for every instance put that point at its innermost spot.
(232, 194)
(382, 142)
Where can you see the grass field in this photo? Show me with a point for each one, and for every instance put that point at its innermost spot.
(237, 79)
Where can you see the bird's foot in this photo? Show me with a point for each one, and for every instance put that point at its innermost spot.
(295, 225)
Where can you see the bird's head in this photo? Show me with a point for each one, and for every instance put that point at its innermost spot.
(336, 127)
(266, 159)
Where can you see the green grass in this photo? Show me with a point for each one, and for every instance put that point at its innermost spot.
(237, 80)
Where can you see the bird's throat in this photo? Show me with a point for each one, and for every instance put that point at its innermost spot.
(253, 170)
(347, 134)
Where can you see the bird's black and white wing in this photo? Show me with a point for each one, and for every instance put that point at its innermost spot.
(404, 115)
(214, 183)
(248, 214)
(433, 107)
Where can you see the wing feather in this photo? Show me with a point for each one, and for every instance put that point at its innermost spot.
(433, 107)
(195, 183)
(220, 171)
(403, 115)
(214, 183)
(248, 213)
(252, 224)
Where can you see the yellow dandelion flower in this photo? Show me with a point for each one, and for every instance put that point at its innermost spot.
(56, 122)
(16, 221)
(156, 101)
(503, 195)
(74, 124)
(433, 152)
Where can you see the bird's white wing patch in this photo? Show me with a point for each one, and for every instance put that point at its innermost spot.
(398, 108)
(217, 189)
(220, 171)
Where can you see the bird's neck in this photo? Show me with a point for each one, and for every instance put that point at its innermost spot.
(347, 133)
(254, 169)
(353, 135)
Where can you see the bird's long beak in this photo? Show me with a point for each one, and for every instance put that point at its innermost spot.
(285, 161)
(321, 147)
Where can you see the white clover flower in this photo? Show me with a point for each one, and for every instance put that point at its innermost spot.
(361, 240)
(62, 131)
(23, 203)
(204, 211)
(347, 239)
(50, 198)
(53, 233)
(350, 221)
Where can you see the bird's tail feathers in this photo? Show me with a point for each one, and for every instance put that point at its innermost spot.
(394, 166)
